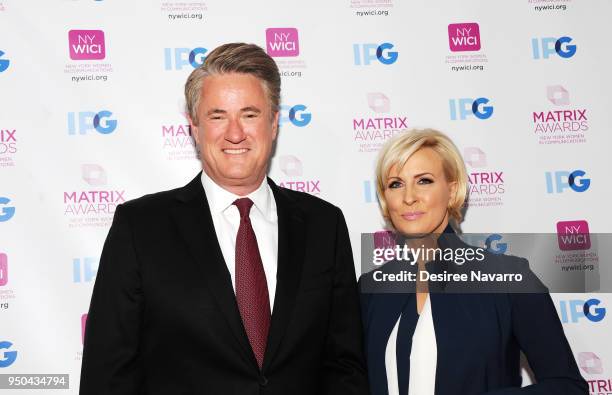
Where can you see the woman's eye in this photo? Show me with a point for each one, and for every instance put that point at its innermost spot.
(395, 184)
(425, 181)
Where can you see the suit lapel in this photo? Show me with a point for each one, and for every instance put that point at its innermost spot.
(291, 225)
(195, 225)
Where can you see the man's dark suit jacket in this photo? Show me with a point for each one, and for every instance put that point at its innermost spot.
(164, 320)
(480, 330)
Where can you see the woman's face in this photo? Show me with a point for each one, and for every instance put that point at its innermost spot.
(418, 195)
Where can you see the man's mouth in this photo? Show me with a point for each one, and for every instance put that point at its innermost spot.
(235, 151)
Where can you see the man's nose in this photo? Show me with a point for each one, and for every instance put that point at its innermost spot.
(235, 132)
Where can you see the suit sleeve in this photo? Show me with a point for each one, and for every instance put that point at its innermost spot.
(364, 299)
(540, 335)
(344, 365)
(111, 364)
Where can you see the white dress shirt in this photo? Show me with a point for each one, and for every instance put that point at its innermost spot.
(264, 219)
(423, 356)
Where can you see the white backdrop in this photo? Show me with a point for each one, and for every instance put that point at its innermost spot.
(128, 61)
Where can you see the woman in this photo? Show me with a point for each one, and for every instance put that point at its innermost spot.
(452, 337)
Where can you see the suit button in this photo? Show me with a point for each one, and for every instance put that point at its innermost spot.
(263, 380)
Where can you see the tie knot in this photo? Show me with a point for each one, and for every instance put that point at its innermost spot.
(244, 207)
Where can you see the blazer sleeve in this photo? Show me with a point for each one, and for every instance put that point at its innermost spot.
(111, 363)
(539, 333)
(344, 363)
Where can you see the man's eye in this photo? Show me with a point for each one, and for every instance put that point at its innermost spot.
(252, 115)
(395, 184)
(215, 117)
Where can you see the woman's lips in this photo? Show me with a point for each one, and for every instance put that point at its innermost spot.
(413, 215)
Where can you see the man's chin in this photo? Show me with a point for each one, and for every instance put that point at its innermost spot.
(239, 177)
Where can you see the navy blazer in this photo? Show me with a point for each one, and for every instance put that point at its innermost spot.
(479, 335)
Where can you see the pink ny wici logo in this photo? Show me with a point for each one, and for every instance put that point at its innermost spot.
(282, 42)
(573, 235)
(3, 269)
(86, 44)
(464, 37)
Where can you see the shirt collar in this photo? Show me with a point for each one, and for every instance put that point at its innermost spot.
(220, 199)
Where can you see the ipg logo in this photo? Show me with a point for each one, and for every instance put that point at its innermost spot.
(6, 212)
(86, 44)
(544, 47)
(84, 270)
(3, 269)
(590, 363)
(282, 42)
(4, 63)
(574, 310)
(177, 58)
(7, 357)
(559, 181)
(464, 107)
(366, 53)
(493, 243)
(297, 115)
(369, 192)
(86, 121)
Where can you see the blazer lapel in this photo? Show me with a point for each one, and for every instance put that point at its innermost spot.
(291, 224)
(195, 225)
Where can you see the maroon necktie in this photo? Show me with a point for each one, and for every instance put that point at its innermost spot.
(251, 287)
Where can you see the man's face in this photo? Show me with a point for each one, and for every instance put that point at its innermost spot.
(236, 131)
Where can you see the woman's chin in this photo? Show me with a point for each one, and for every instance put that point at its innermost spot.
(414, 230)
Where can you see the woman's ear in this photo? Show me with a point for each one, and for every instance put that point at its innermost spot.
(452, 193)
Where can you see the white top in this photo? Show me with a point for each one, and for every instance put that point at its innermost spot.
(264, 218)
(423, 356)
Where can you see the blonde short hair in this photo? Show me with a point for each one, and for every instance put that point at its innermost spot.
(401, 147)
(234, 58)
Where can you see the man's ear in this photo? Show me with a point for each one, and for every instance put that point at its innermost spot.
(194, 130)
(275, 125)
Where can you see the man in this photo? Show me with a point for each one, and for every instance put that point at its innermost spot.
(231, 284)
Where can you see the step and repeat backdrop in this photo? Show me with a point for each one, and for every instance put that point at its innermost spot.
(92, 115)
